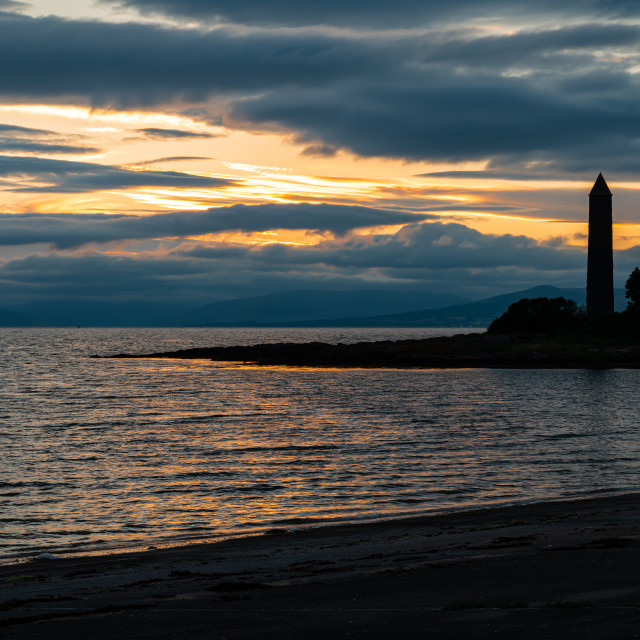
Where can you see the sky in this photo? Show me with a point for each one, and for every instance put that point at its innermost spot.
(190, 151)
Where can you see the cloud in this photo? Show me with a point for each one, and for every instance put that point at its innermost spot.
(174, 159)
(71, 230)
(153, 133)
(320, 150)
(25, 140)
(427, 246)
(437, 116)
(12, 5)
(369, 13)
(441, 257)
(566, 95)
(544, 48)
(78, 177)
(132, 65)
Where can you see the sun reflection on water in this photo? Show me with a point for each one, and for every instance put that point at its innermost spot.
(138, 452)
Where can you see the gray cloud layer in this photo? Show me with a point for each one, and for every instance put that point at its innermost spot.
(134, 64)
(432, 245)
(77, 177)
(565, 96)
(370, 13)
(154, 133)
(441, 257)
(26, 140)
(70, 230)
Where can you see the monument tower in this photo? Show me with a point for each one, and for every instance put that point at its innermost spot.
(600, 252)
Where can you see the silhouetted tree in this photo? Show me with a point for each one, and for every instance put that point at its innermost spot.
(632, 289)
(541, 316)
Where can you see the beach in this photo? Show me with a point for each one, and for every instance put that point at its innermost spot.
(545, 570)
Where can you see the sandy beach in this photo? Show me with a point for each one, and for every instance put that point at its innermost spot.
(550, 570)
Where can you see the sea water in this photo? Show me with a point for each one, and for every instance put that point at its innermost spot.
(100, 455)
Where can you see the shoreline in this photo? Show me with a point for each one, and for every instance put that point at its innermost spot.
(471, 350)
(543, 569)
(299, 526)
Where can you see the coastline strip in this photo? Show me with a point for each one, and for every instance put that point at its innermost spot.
(471, 350)
(535, 570)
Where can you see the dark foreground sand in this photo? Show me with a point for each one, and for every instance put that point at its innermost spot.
(555, 570)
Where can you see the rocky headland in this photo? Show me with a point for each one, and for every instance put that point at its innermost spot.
(459, 351)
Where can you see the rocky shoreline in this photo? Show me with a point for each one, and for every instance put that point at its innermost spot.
(460, 351)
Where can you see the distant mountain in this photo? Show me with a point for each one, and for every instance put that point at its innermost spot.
(308, 308)
(472, 314)
(309, 305)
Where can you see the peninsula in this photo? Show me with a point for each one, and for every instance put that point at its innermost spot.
(460, 351)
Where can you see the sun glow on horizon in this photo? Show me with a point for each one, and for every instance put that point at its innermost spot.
(270, 168)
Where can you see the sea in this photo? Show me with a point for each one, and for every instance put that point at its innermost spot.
(100, 455)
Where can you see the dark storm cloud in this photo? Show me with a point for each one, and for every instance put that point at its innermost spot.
(133, 64)
(153, 133)
(444, 257)
(577, 42)
(69, 230)
(369, 13)
(77, 177)
(441, 96)
(568, 104)
(26, 140)
(567, 94)
(440, 117)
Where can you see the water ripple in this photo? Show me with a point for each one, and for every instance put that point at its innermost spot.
(114, 453)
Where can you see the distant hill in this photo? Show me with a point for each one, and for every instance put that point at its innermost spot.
(308, 306)
(471, 314)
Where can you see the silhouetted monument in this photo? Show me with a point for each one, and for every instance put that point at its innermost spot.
(600, 259)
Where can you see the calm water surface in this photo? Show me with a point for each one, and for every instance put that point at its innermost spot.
(108, 454)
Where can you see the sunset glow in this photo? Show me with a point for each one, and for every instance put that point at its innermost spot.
(406, 132)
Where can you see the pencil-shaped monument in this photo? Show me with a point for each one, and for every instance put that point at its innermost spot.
(600, 258)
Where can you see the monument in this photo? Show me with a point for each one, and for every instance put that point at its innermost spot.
(600, 252)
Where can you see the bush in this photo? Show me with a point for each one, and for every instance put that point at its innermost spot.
(632, 289)
(551, 316)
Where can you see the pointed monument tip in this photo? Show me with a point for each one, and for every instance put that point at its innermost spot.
(600, 187)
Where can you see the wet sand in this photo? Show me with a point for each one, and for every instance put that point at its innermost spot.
(551, 570)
